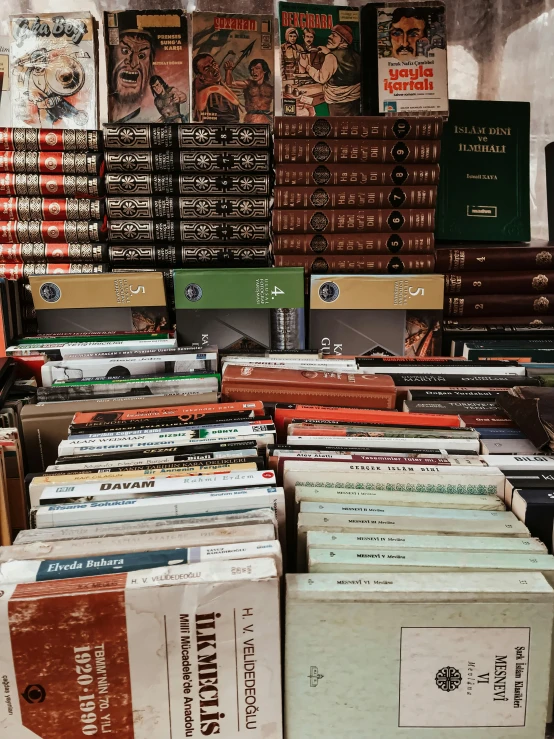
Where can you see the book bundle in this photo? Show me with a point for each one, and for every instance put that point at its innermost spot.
(356, 195)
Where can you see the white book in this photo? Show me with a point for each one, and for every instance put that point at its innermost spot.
(147, 542)
(152, 486)
(28, 570)
(386, 497)
(438, 655)
(92, 347)
(348, 509)
(189, 504)
(372, 442)
(445, 369)
(161, 526)
(199, 429)
(173, 646)
(378, 458)
(327, 540)
(493, 447)
(299, 362)
(521, 461)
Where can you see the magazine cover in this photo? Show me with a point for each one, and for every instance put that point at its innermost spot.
(233, 68)
(147, 66)
(411, 59)
(54, 71)
(320, 59)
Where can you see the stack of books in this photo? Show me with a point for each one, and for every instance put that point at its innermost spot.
(356, 194)
(51, 209)
(188, 195)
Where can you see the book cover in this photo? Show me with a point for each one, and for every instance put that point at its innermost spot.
(54, 71)
(147, 66)
(233, 68)
(363, 127)
(406, 49)
(32, 185)
(484, 183)
(354, 244)
(321, 66)
(350, 174)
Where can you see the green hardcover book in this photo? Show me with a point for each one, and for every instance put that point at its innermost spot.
(240, 310)
(484, 183)
(320, 59)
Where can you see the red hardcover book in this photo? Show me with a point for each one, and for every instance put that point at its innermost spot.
(355, 197)
(50, 185)
(48, 139)
(55, 162)
(22, 271)
(357, 127)
(537, 282)
(354, 244)
(497, 420)
(299, 386)
(357, 264)
(54, 232)
(354, 174)
(307, 151)
(499, 305)
(50, 209)
(50, 253)
(350, 221)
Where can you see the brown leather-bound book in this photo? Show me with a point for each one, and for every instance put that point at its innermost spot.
(310, 387)
(499, 305)
(531, 322)
(355, 264)
(353, 174)
(490, 258)
(355, 197)
(492, 283)
(350, 221)
(357, 127)
(354, 244)
(304, 151)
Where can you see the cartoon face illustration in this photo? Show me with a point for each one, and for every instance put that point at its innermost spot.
(132, 68)
(406, 28)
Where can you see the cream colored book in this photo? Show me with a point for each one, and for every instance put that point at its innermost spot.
(347, 493)
(152, 542)
(438, 656)
(415, 512)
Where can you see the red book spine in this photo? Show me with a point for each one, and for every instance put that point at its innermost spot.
(348, 264)
(67, 253)
(22, 271)
(55, 162)
(350, 221)
(500, 305)
(55, 232)
(43, 185)
(50, 209)
(355, 197)
(488, 259)
(354, 174)
(354, 244)
(357, 127)
(305, 151)
(47, 139)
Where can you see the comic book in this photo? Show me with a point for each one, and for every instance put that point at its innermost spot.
(147, 66)
(54, 71)
(405, 55)
(232, 68)
(320, 59)
(5, 112)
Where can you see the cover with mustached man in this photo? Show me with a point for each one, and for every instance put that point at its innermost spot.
(232, 68)
(53, 71)
(147, 66)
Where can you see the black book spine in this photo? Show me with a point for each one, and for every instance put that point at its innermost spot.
(132, 231)
(189, 184)
(192, 208)
(188, 161)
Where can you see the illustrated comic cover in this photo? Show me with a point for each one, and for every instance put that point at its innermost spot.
(233, 68)
(54, 71)
(5, 111)
(147, 66)
(320, 60)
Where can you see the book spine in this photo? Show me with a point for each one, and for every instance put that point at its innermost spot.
(47, 139)
(52, 253)
(354, 197)
(454, 407)
(192, 231)
(43, 185)
(51, 209)
(166, 206)
(486, 323)
(188, 256)
(361, 127)
(189, 184)
(499, 305)
(355, 173)
(56, 162)
(161, 136)
(338, 264)
(354, 244)
(187, 161)
(487, 283)
(22, 271)
(490, 259)
(351, 221)
(306, 151)
(54, 232)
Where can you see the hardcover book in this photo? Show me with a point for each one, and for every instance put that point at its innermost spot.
(54, 71)
(147, 66)
(484, 183)
(233, 68)
(376, 314)
(320, 60)
(405, 48)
